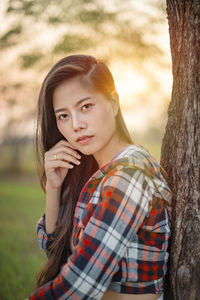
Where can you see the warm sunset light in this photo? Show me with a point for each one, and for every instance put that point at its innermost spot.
(140, 99)
(128, 83)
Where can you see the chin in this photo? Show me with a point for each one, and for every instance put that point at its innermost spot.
(86, 152)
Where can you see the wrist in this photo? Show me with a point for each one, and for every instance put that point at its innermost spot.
(54, 189)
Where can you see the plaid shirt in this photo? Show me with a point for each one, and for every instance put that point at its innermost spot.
(124, 214)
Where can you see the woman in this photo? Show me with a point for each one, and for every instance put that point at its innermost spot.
(106, 223)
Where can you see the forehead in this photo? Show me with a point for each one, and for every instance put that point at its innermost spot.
(70, 87)
(70, 92)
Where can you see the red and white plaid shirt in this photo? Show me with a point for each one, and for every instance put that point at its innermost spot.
(123, 213)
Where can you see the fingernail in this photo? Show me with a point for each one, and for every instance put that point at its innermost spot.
(78, 156)
(78, 162)
(71, 166)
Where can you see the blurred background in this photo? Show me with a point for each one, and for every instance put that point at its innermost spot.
(131, 37)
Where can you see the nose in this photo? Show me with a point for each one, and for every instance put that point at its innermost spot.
(78, 123)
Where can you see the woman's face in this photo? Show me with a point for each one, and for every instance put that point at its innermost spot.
(85, 118)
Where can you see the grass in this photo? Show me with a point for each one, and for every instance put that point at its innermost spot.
(20, 257)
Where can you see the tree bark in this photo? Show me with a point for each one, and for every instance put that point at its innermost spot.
(180, 153)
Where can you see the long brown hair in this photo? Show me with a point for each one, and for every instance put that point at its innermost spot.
(96, 75)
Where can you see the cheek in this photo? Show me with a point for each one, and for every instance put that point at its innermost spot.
(59, 126)
(102, 114)
(63, 130)
(106, 119)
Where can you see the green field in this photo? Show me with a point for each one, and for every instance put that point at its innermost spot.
(20, 256)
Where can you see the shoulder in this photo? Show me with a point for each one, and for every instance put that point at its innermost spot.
(134, 171)
(134, 162)
(135, 157)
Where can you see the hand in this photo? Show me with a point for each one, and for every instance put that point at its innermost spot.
(58, 162)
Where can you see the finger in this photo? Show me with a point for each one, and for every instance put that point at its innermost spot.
(59, 153)
(66, 150)
(64, 157)
(58, 164)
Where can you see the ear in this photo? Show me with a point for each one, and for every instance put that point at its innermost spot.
(115, 102)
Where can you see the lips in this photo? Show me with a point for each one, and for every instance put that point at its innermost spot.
(84, 140)
(84, 137)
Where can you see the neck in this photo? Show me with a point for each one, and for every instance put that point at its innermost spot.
(106, 154)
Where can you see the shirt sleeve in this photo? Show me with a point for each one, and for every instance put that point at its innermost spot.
(115, 220)
(45, 240)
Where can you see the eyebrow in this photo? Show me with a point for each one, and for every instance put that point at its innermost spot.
(77, 103)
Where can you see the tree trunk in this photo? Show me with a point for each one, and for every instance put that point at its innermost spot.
(180, 154)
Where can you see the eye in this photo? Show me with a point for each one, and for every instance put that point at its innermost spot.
(63, 117)
(86, 106)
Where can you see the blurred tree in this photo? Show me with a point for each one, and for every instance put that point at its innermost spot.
(88, 24)
(181, 150)
(38, 33)
(27, 60)
(9, 38)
